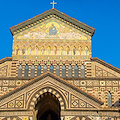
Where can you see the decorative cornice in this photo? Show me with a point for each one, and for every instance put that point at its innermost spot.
(49, 14)
(106, 64)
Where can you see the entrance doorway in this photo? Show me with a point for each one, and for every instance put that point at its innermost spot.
(48, 107)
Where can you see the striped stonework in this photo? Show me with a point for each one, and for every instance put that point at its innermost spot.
(39, 94)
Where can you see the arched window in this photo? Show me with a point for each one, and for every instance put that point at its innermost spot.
(32, 71)
(109, 99)
(82, 71)
(76, 71)
(45, 69)
(70, 71)
(26, 71)
(51, 69)
(20, 71)
(58, 70)
(38, 70)
(63, 71)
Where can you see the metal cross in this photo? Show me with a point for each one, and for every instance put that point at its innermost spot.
(53, 3)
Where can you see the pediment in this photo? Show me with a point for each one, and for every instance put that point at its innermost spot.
(71, 97)
(56, 14)
(51, 29)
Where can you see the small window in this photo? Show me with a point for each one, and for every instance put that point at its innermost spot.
(20, 71)
(32, 71)
(38, 70)
(58, 70)
(82, 71)
(45, 69)
(76, 71)
(51, 69)
(63, 71)
(26, 71)
(109, 99)
(70, 71)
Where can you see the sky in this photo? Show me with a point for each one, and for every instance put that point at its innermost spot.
(103, 15)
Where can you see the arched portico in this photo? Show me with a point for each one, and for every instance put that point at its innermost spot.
(35, 102)
(48, 107)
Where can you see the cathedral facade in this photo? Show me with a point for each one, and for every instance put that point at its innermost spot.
(52, 76)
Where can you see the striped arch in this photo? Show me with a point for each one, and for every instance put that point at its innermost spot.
(36, 97)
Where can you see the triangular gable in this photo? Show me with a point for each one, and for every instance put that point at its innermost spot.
(106, 64)
(52, 13)
(72, 97)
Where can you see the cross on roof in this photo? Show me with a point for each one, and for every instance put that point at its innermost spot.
(53, 3)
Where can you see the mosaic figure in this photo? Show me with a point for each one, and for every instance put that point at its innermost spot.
(30, 50)
(42, 50)
(86, 50)
(55, 50)
(61, 50)
(23, 50)
(68, 50)
(73, 50)
(80, 50)
(52, 30)
(49, 50)
(36, 50)
(17, 50)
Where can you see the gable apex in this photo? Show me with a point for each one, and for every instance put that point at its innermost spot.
(48, 14)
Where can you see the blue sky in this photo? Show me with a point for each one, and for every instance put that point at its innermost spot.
(104, 15)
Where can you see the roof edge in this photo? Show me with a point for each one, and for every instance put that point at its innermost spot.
(5, 59)
(106, 64)
(53, 12)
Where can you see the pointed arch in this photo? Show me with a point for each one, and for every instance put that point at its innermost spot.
(76, 71)
(82, 71)
(58, 70)
(17, 50)
(32, 71)
(26, 71)
(20, 71)
(68, 50)
(39, 70)
(70, 71)
(51, 68)
(35, 97)
(45, 69)
(109, 99)
(74, 50)
(63, 71)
